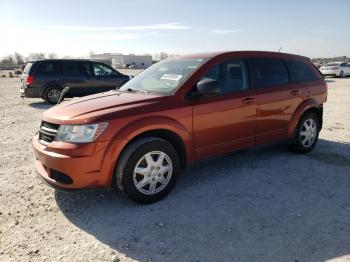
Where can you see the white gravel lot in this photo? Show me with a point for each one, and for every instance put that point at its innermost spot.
(264, 204)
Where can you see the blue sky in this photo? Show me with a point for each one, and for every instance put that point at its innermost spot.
(310, 27)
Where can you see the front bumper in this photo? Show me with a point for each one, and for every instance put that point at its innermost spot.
(82, 163)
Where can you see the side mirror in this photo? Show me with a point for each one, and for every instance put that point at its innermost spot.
(208, 87)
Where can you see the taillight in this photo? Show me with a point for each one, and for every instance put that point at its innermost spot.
(29, 80)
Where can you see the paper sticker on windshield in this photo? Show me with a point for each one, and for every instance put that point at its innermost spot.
(173, 77)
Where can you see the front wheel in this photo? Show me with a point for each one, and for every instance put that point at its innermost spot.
(306, 134)
(341, 75)
(147, 170)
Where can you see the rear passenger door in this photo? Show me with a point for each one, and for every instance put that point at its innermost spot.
(106, 78)
(78, 76)
(277, 98)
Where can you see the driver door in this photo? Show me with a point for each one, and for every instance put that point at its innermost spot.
(225, 121)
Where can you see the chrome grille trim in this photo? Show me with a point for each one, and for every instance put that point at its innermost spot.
(49, 130)
(47, 133)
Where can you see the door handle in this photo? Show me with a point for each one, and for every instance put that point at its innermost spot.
(248, 100)
(295, 92)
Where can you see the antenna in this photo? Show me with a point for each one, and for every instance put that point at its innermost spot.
(279, 50)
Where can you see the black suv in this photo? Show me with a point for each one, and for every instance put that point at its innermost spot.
(47, 78)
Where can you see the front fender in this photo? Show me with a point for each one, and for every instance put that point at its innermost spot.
(137, 127)
(303, 107)
(51, 83)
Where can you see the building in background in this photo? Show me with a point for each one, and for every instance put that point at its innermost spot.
(124, 61)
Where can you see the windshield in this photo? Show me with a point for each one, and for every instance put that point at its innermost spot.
(27, 68)
(163, 77)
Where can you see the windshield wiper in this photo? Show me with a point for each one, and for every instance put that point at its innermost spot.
(137, 90)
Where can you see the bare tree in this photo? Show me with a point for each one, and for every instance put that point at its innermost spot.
(52, 56)
(36, 56)
(18, 58)
(160, 56)
(7, 62)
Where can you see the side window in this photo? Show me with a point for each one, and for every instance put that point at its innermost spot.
(102, 70)
(300, 72)
(343, 64)
(47, 69)
(213, 73)
(269, 72)
(231, 75)
(76, 69)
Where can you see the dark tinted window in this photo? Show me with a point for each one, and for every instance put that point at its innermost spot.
(300, 72)
(231, 75)
(47, 69)
(269, 72)
(76, 69)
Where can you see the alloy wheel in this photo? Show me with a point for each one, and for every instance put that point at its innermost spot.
(53, 95)
(308, 132)
(152, 172)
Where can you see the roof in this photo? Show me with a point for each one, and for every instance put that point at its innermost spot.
(62, 59)
(247, 53)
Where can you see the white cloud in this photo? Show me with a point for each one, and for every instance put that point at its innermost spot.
(219, 31)
(163, 26)
(331, 32)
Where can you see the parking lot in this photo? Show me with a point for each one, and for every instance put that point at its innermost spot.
(264, 204)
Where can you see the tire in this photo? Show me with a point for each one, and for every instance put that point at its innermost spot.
(305, 139)
(341, 75)
(52, 94)
(158, 178)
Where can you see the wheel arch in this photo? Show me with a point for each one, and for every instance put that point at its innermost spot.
(309, 105)
(48, 85)
(171, 137)
(159, 127)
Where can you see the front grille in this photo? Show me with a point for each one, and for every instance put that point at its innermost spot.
(47, 132)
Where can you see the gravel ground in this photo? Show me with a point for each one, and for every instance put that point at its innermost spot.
(266, 204)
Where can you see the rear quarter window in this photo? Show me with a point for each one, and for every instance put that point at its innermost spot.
(27, 68)
(47, 69)
(269, 72)
(300, 72)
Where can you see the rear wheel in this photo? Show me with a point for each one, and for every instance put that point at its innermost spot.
(52, 94)
(147, 170)
(306, 134)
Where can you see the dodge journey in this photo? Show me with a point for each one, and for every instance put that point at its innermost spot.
(137, 138)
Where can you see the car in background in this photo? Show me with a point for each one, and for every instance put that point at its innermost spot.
(175, 112)
(338, 69)
(46, 78)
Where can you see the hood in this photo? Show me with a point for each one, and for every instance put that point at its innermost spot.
(95, 107)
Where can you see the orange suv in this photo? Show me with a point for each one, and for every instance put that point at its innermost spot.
(183, 109)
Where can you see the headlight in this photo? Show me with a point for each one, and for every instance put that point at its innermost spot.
(80, 133)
